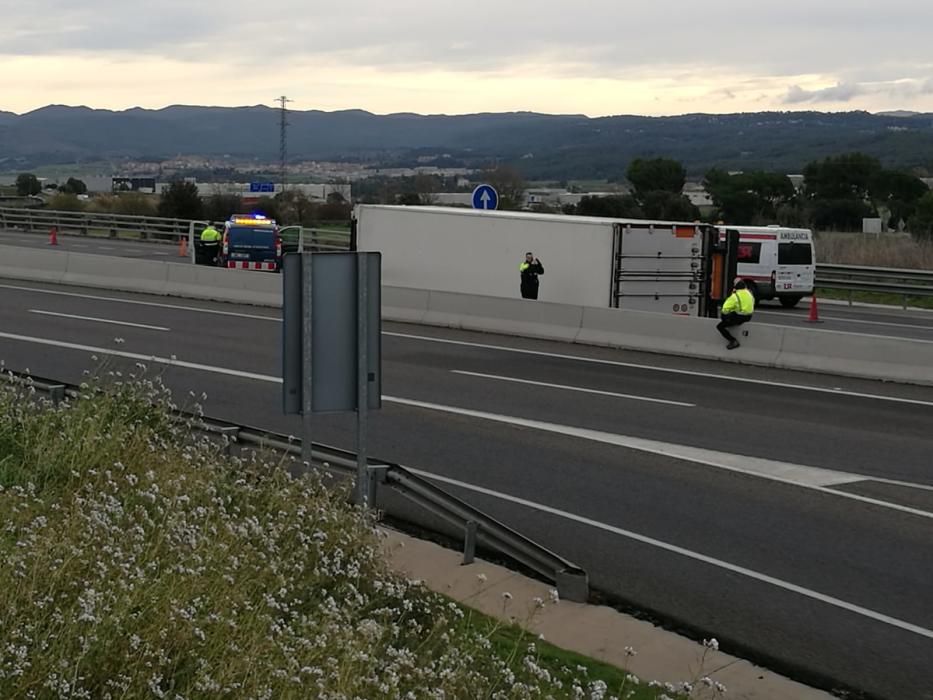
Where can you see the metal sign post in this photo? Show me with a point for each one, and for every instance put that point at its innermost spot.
(307, 357)
(332, 345)
(363, 496)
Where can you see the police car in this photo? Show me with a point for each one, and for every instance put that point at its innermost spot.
(252, 242)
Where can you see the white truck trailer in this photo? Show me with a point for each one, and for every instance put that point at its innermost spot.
(673, 268)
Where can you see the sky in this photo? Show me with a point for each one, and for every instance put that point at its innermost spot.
(594, 57)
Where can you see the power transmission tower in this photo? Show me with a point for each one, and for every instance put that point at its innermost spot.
(283, 137)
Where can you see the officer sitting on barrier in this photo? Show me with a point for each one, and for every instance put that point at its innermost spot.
(736, 310)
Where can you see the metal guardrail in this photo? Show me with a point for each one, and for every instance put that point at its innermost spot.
(882, 280)
(153, 229)
(571, 581)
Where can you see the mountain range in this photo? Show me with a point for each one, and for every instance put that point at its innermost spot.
(544, 146)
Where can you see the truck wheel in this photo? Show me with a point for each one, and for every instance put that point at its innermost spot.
(753, 288)
(790, 302)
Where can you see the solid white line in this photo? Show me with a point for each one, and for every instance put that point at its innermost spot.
(136, 302)
(99, 320)
(696, 556)
(665, 370)
(798, 475)
(573, 388)
(140, 357)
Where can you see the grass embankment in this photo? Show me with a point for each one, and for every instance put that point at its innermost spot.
(137, 562)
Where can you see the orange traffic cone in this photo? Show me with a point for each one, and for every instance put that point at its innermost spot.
(814, 311)
(182, 247)
(53, 235)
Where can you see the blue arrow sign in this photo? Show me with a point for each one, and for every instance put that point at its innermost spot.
(485, 197)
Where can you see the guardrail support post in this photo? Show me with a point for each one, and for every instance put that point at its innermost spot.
(229, 436)
(57, 393)
(469, 542)
(573, 586)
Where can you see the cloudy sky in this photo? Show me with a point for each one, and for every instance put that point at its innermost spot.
(595, 57)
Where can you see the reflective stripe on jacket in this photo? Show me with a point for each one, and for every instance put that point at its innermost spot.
(741, 302)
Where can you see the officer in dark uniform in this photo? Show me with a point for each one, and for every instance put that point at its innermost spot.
(530, 270)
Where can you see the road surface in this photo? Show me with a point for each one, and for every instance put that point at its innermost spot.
(789, 515)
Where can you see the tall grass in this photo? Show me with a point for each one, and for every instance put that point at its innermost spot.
(888, 250)
(139, 562)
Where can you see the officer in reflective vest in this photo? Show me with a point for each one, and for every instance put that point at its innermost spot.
(210, 244)
(530, 269)
(737, 309)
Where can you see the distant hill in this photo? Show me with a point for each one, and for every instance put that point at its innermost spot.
(545, 146)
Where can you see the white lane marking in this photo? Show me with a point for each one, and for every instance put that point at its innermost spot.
(136, 302)
(104, 247)
(801, 476)
(141, 357)
(842, 319)
(500, 348)
(795, 475)
(665, 370)
(99, 320)
(690, 554)
(565, 387)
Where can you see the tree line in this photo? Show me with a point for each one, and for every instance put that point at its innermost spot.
(838, 193)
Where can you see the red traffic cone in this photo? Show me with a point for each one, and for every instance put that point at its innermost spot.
(53, 235)
(814, 311)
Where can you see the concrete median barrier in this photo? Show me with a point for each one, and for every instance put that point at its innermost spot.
(676, 335)
(511, 316)
(855, 355)
(141, 276)
(29, 264)
(404, 305)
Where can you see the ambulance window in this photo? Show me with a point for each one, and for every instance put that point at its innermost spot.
(795, 254)
(750, 253)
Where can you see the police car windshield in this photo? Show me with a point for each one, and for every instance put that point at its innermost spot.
(260, 237)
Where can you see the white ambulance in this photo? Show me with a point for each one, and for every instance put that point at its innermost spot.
(777, 263)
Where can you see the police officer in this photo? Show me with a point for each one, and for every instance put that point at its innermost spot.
(737, 309)
(210, 243)
(530, 269)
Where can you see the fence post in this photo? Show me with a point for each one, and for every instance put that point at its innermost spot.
(191, 256)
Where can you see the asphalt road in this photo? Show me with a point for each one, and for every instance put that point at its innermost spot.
(891, 322)
(789, 515)
(95, 245)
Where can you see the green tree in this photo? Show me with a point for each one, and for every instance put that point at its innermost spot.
(749, 198)
(921, 223)
(510, 185)
(27, 185)
(669, 206)
(74, 186)
(408, 199)
(219, 207)
(898, 192)
(181, 200)
(849, 176)
(657, 175)
(613, 207)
